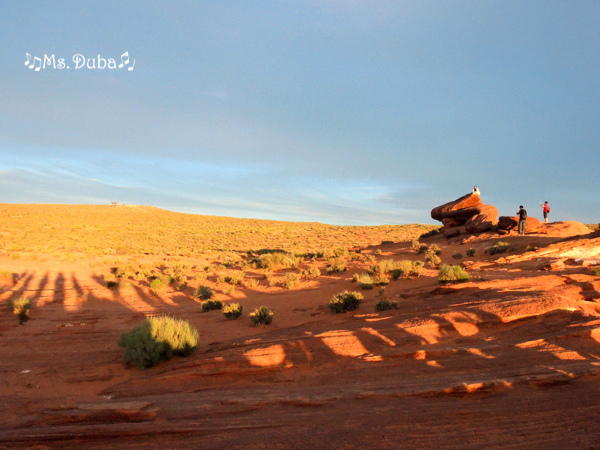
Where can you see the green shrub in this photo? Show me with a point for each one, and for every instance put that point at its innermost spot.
(436, 249)
(262, 314)
(251, 283)
(381, 279)
(471, 252)
(232, 311)
(407, 269)
(278, 260)
(211, 305)
(385, 305)
(386, 242)
(20, 307)
(291, 279)
(500, 247)
(7, 275)
(365, 280)
(452, 273)
(457, 255)
(204, 292)
(345, 301)
(596, 271)
(530, 248)
(311, 272)
(384, 266)
(157, 286)
(157, 339)
(433, 259)
(337, 265)
(234, 279)
(418, 247)
(229, 289)
(429, 233)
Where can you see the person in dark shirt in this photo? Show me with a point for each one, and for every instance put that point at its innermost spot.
(522, 218)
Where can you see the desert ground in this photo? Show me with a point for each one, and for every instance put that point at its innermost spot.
(509, 358)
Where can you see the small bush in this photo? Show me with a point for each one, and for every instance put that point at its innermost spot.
(429, 233)
(229, 289)
(418, 247)
(345, 301)
(235, 278)
(452, 273)
(500, 247)
(433, 259)
(20, 307)
(596, 271)
(262, 314)
(157, 286)
(381, 279)
(386, 305)
(251, 283)
(7, 275)
(407, 269)
(436, 249)
(291, 279)
(232, 311)
(157, 339)
(471, 252)
(337, 265)
(204, 292)
(278, 260)
(211, 305)
(365, 280)
(457, 255)
(530, 248)
(378, 252)
(311, 272)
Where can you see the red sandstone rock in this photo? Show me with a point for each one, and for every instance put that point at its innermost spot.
(484, 221)
(464, 202)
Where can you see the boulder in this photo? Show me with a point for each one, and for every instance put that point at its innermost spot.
(452, 232)
(510, 223)
(484, 221)
(449, 223)
(464, 202)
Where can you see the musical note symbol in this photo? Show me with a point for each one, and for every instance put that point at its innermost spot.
(28, 59)
(124, 59)
(39, 66)
(131, 68)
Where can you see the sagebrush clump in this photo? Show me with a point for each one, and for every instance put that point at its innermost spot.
(386, 305)
(262, 314)
(500, 247)
(345, 301)
(337, 265)
(211, 305)
(204, 293)
(20, 307)
(232, 311)
(157, 339)
(452, 273)
(596, 271)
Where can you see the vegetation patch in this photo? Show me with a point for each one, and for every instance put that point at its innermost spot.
(211, 305)
(204, 293)
(471, 252)
(337, 265)
(386, 305)
(157, 339)
(596, 271)
(365, 281)
(7, 275)
(291, 279)
(262, 314)
(500, 247)
(345, 301)
(448, 274)
(232, 311)
(20, 307)
(311, 272)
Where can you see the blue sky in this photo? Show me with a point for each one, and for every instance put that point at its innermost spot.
(342, 112)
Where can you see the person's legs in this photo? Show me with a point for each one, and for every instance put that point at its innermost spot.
(546, 217)
(521, 227)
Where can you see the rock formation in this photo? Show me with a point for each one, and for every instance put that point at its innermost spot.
(466, 213)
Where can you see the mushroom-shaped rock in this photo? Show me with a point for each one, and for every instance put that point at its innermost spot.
(484, 221)
(450, 209)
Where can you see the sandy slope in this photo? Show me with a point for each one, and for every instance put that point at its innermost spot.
(511, 358)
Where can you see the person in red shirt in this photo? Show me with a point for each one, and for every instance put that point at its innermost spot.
(546, 210)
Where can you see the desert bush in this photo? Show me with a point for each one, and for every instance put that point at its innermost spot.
(262, 314)
(201, 276)
(386, 242)
(311, 272)
(235, 278)
(381, 279)
(419, 247)
(278, 260)
(251, 283)
(457, 255)
(386, 305)
(329, 253)
(20, 307)
(232, 311)
(157, 286)
(596, 271)
(407, 269)
(378, 252)
(433, 259)
(429, 233)
(384, 266)
(127, 271)
(500, 247)
(211, 305)
(345, 301)
(229, 289)
(291, 279)
(471, 252)
(370, 259)
(435, 248)
(337, 265)
(204, 292)
(452, 273)
(157, 339)
(365, 280)
(530, 248)
(7, 275)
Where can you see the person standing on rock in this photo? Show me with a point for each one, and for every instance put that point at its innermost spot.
(546, 209)
(522, 218)
(476, 191)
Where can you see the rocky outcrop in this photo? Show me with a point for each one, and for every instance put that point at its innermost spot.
(509, 223)
(465, 214)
